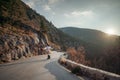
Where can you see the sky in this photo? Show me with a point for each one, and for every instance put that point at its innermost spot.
(101, 15)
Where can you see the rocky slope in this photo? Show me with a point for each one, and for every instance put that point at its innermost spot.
(23, 32)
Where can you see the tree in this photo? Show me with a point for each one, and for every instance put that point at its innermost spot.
(43, 27)
(77, 55)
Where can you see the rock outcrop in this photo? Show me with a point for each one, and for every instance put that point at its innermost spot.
(15, 46)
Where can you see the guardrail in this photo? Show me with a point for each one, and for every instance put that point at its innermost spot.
(92, 73)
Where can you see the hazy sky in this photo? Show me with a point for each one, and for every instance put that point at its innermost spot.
(93, 14)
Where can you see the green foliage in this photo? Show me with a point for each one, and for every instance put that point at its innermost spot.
(118, 41)
(77, 70)
(1, 32)
(43, 27)
(6, 0)
(6, 3)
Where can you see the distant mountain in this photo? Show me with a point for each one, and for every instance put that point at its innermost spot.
(91, 36)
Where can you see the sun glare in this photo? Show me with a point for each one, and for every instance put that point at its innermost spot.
(110, 31)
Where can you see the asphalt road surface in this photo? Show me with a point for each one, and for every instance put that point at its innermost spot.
(36, 68)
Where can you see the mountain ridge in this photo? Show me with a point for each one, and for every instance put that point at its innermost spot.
(90, 35)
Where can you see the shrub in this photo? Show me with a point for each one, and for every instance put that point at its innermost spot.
(77, 70)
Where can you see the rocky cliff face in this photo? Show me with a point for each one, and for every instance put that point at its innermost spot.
(15, 46)
(23, 32)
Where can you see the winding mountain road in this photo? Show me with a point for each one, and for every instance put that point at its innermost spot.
(36, 68)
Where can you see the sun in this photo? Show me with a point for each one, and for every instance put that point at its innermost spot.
(110, 31)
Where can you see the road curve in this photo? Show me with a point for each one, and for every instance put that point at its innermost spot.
(36, 68)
